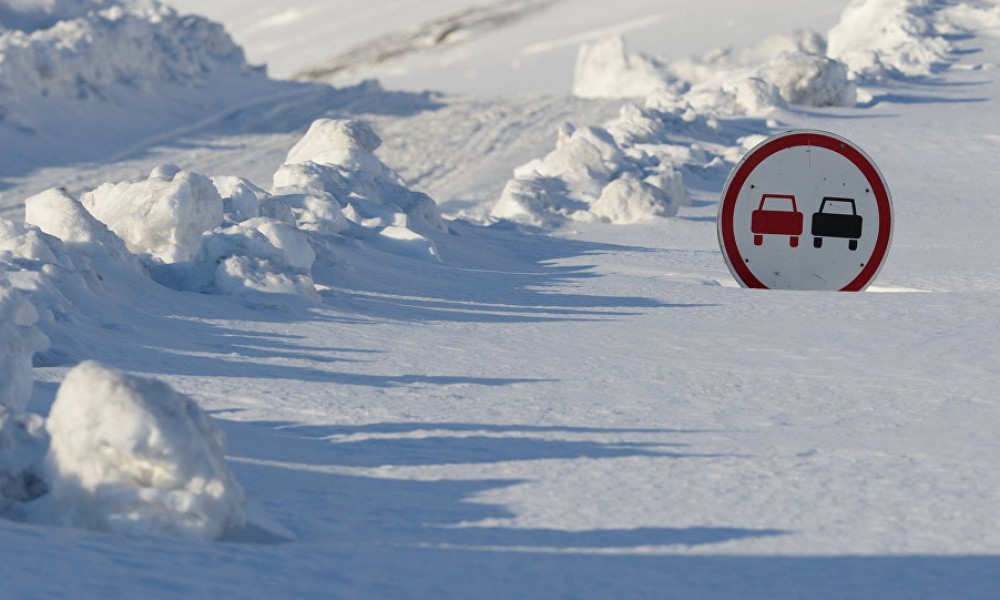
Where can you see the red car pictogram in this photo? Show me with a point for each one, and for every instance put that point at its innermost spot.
(768, 221)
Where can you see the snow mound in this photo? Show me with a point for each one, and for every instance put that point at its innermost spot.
(19, 340)
(58, 214)
(131, 455)
(335, 184)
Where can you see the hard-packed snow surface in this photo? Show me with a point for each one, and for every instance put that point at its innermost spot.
(422, 397)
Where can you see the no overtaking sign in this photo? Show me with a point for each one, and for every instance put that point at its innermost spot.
(805, 210)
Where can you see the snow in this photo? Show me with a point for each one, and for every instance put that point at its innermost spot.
(485, 345)
(130, 455)
(163, 216)
(795, 71)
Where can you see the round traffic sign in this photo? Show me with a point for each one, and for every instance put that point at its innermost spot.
(805, 210)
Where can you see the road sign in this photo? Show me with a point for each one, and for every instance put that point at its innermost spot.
(805, 179)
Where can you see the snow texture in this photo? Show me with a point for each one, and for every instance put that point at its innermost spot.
(130, 455)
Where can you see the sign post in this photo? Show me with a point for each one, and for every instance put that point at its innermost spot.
(805, 210)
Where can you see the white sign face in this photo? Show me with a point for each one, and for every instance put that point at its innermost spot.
(805, 210)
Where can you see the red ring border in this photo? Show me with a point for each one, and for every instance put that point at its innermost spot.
(790, 139)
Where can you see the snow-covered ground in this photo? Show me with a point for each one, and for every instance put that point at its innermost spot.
(457, 347)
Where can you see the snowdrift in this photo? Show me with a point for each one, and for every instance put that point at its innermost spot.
(633, 168)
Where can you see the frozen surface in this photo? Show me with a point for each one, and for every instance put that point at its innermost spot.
(591, 408)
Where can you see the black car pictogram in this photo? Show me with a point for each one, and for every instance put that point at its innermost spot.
(837, 224)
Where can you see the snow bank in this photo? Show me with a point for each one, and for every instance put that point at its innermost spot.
(223, 235)
(106, 51)
(131, 455)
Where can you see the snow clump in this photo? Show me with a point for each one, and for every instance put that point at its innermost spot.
(259, 255)
(131, 455)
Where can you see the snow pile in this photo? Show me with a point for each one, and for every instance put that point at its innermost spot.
(335, 184)
(625, 172)
(19, 340)
(131, 455)
(106, 51)
(789, 68)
